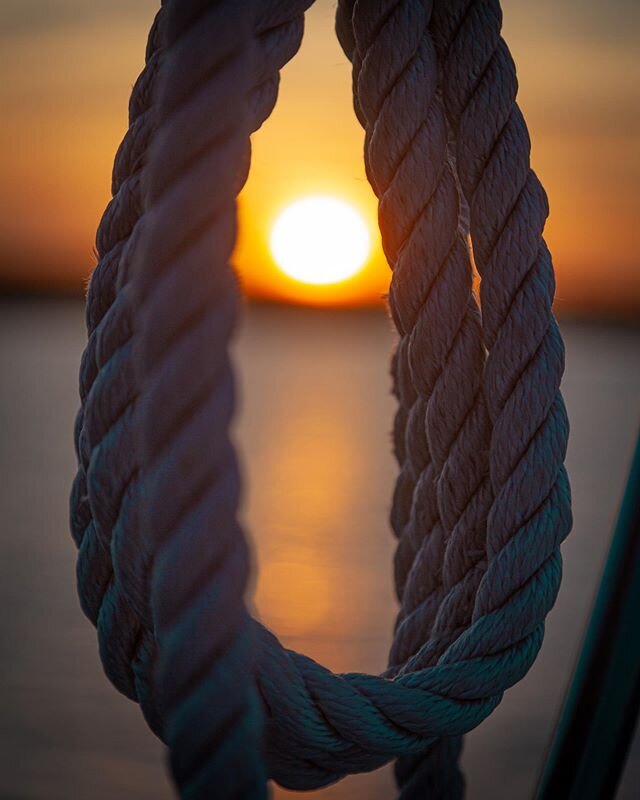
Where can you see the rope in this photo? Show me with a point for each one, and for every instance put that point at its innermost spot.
(113, 561)
(482, 502)
(103, 426)
(443, 492)
(190, 484)
(530, 514)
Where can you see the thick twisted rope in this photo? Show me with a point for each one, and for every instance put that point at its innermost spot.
(457, 428)
(117, 602)
(479, 93)
(206, 643)
(107, 389)
(530, 515)
(441, 433)
(440, 357)
(321, 726)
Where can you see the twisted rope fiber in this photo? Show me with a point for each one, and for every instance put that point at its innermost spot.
(118, 602)
(530, 515)
(206, 643)
(326, 725)
(480, 90)
(456, 422)
(107, 390)
(442, 500)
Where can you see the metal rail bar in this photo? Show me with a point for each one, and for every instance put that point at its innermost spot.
(591, 742)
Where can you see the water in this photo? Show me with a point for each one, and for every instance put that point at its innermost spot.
(314, 437)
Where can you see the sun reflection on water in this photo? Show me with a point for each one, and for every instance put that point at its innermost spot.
(319, 479)
(313, 468)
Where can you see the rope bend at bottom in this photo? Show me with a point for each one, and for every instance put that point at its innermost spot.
(211, 657)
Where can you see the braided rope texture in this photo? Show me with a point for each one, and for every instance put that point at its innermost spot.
(443, 493)
(206, 644)
(113, 560)
(482, 501)
(104, 426)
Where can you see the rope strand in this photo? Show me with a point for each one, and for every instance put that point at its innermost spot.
(114, 560)
(481, 503)
(530, 515)
(206, 644)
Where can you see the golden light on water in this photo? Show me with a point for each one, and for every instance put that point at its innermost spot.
(320, 240)
(295, 593)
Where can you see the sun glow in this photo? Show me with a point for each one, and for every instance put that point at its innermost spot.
(320, 240)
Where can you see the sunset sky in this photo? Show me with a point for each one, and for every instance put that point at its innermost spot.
(68, 67)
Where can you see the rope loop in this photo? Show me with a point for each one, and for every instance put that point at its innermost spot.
(482, 502)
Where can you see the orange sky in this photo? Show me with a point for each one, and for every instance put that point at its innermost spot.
(68, 71)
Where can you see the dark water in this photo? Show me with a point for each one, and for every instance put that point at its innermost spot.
(314, 433)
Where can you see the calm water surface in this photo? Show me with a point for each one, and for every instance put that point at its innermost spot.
(314, 437)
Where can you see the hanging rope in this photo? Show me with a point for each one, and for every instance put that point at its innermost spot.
(441, 434)
(113, 561)
(107, 390)
(205, 640)
(482, 500)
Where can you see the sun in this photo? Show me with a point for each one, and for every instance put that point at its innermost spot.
(320, 240)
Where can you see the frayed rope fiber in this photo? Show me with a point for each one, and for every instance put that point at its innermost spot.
(481, 503)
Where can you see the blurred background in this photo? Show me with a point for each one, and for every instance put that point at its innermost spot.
(314, 427)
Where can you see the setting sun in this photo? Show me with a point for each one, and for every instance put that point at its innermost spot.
(320, 240)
